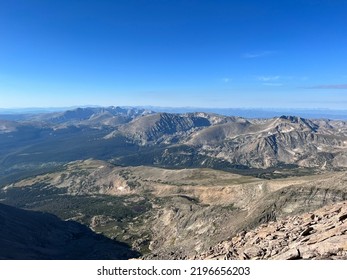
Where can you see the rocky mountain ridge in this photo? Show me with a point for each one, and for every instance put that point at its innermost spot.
(208, 140)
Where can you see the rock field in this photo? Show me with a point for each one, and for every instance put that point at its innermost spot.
(321, 234)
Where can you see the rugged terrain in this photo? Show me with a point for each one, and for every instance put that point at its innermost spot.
(171, 186)
(321, 234)
(43, 142)
(167, 213)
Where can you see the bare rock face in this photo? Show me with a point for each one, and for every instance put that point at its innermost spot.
(163, 128)
(321, 234)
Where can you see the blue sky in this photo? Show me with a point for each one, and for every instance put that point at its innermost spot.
(240, 53)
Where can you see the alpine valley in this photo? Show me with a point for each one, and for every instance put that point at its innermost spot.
(134, 183)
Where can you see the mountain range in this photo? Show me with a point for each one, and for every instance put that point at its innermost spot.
(168, 185)
(142, 137)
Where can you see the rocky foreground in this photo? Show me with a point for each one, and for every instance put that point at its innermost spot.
(321, 234)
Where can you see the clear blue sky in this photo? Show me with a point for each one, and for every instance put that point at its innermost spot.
(232, 53)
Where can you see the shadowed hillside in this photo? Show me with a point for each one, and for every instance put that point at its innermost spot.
(35, 235)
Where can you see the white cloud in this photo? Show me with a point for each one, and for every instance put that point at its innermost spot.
(268, 78)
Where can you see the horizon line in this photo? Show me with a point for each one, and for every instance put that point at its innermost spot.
(168, 107)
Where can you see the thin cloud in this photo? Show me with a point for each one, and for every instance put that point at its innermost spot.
(268, 78)
(333, 86)
(226, 80)
(273, 84)
(258, 54)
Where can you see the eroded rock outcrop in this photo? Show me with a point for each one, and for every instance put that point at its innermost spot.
(321, 234)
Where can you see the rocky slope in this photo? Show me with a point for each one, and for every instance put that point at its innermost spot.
(167, 213)
(321, 234)
(158, 128)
